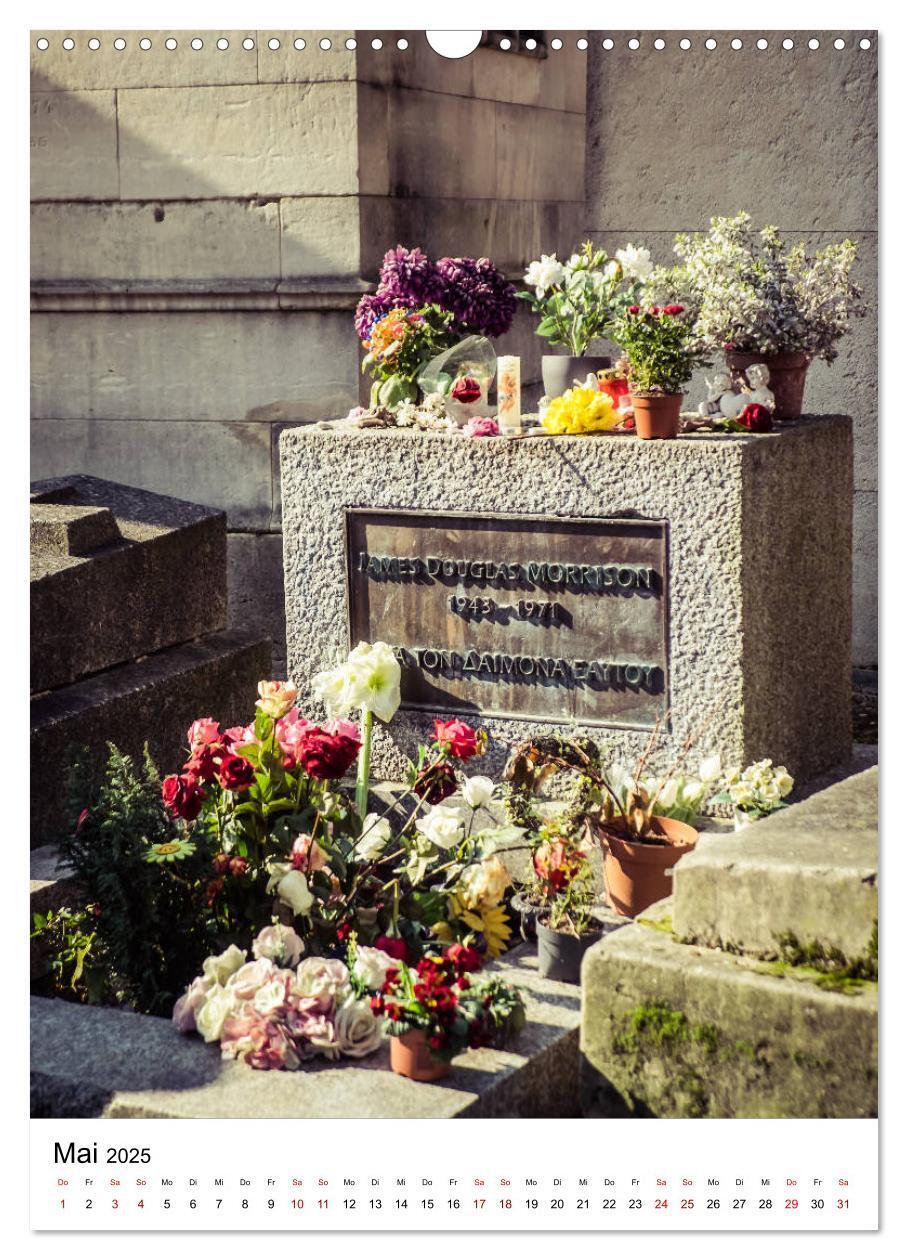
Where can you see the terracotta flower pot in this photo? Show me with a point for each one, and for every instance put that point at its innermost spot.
(559, 371)
(787, 376)
(560, 954)
(657, 415)
(411, 1056)
(636, 875)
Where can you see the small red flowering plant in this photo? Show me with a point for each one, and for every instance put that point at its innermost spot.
(657, 343)
(444, 999)
(562, 884)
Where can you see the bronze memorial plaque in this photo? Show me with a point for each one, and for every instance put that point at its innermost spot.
(523, 617)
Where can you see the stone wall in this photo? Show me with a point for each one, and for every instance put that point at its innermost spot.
(789, 134)
(204, 221)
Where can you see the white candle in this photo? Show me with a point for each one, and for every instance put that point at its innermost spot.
(509, 394)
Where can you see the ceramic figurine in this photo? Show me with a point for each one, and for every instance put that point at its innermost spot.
(758, 390)
(722, 399)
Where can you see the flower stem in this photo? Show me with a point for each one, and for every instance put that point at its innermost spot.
(363, 765)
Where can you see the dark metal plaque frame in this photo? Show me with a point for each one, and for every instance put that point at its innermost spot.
(619, 622)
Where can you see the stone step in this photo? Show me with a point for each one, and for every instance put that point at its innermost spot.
(96, 1061)
(673, 1030)
(152, 699)
(104, 559)
(809, 871)
(51, 884)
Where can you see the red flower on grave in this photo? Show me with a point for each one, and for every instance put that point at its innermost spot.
(394, 947)
(458, 739)
(235, 773)
(182, 796)
(673, 310)
(757, 418)
(466, 390)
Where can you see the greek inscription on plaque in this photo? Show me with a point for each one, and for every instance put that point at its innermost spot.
(524, 617)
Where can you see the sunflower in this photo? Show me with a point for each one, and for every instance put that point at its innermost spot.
(170, 851)
(492, 922)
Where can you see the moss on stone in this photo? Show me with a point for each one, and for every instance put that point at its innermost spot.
(664, 924)
(825, 965)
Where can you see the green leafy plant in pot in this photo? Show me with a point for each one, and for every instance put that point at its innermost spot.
(661, 355)
(577, 302)
(762, 301)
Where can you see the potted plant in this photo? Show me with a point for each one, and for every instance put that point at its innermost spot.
(755, 792)
(764, 302)
(661, 357)
(437, 1010)
(565, 924)
(577, 302)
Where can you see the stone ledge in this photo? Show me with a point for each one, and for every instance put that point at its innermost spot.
(810, 869)
(92, 1061)
(151, 699)
(673, 1030)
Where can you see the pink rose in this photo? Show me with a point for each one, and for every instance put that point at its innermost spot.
(251, 976)
(185, 1008)
(481, 426)
(235, 735)
(307, 854)
(279, 943)
(275, 698)
(203, 731)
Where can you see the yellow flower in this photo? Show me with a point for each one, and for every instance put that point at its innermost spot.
(580, 411)
(492, 922)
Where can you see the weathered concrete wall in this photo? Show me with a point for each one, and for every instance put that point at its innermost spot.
(790, 135)
(205, 220)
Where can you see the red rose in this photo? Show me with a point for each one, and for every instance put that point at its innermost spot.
(326, 754)
(633, 310)
(214, 890)
(673, 310)
(466, 390)
(237, 866)
(458, 739)
(221, 863)
(394, 947)
(235, 773)
(203, 764)
(654, 310)
(757, 418)
(436, 783)
(182, 796)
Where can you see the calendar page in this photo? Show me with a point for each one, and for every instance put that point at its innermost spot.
(453, 604)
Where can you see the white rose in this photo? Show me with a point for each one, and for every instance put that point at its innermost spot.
(291, 886)
(279, 943)
(270, 996)
(357, 1030)
(478, 791)
(324, 978)
(544, 274)
(209, 1019)
(711, 768)
(771, 791)
(220, 967)
(443, 825)
(373, 838)
(635, 261)
(372, 965)
(784, 780)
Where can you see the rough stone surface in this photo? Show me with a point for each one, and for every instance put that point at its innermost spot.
(810, 870)
(768, 113)
(751, 698)
(153, 699)
(674, 1030)
(214, 141)
(99, 1062)
(97, 601)
(50, 882)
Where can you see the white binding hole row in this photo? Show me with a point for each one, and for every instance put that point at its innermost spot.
(68, 43)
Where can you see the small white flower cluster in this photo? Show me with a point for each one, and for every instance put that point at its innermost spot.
(678, 797)
(760, 788)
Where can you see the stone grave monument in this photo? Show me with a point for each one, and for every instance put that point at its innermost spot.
(584, 585)
(128, 609)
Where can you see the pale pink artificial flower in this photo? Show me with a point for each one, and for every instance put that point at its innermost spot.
(203, 731)
(308, 855)
(481, 426)
(186, 1006)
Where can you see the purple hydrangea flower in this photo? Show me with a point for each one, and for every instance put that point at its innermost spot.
(409, 278)
(478, 294)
